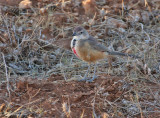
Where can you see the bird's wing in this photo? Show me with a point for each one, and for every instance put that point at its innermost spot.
(96, 45)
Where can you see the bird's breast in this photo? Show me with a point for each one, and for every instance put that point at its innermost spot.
(87, 53)
(83, 50)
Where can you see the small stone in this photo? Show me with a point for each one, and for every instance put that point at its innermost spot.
(25, 4)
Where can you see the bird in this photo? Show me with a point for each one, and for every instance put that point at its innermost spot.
(88, 49)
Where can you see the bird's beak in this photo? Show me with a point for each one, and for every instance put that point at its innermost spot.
(74, 34)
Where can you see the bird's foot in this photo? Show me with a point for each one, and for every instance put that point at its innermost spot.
(91, 79)
(84, 79)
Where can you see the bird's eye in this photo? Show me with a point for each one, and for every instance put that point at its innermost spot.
(81, 32)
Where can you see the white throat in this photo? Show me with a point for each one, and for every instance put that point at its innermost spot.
(74, 41)
(77, 38)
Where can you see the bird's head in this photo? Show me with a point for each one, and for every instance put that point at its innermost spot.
(80, 33)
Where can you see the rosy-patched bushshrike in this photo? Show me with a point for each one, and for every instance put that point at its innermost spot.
(86, 48)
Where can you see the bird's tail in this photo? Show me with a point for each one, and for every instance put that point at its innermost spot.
(122, 54)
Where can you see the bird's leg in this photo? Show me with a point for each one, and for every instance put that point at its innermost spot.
(85, 76)
(94, 75)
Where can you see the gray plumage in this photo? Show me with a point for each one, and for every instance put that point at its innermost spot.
(98, 46)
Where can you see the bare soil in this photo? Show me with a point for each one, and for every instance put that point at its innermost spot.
(55, 97)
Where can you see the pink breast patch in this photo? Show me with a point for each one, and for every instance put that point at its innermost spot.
(74, 50)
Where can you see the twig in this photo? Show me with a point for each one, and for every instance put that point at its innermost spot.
(6, 74)
(122, 8)
(62, 70)
(6, 23)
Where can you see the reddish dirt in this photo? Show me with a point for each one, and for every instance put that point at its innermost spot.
(45, 98)
(49, 95)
